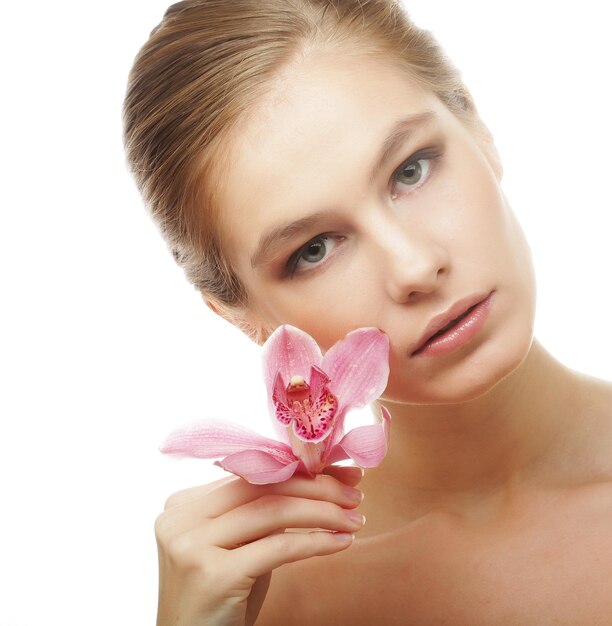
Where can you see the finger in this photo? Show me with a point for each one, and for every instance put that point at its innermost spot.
(193, 493)
(260, 557)
(265, 515)
(321, 487)
(347, 474)
(235, 492)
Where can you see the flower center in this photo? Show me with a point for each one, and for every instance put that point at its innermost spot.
(313, 417)
(298, 390)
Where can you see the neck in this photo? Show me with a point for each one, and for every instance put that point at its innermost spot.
(485, 443)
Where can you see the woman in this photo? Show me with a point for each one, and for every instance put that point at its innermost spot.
(320, 163)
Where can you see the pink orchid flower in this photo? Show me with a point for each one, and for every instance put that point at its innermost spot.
(309, 395)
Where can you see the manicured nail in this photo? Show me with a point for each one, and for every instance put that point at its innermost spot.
(356, 518)
(359, 470)
(343, 537)
(352, 494)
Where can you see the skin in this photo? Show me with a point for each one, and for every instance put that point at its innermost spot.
(492, 505)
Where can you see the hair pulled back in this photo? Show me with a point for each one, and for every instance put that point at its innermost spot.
(202, 71)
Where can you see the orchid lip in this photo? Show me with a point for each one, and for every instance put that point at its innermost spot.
(451, 315)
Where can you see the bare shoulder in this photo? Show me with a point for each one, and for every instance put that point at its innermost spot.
(599, 390)
(547, 560)
(591, 442)
(298, 593)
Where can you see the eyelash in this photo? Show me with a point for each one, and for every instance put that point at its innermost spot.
(425, 155)
(290, 267)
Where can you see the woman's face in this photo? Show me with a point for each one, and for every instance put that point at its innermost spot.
(331, 226)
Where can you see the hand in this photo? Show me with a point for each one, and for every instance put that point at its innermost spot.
(219, 543)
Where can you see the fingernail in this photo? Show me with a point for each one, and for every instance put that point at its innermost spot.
(353, 495)
(356, 470)
(356, 518)
(343, 537)
(360, 470)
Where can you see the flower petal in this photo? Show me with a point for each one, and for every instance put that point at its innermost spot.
(279, 401)
(336, 454)
(366, 445)
(358, 367)
(291, 352)
(257, 467)
(317, 380)
(214, 438)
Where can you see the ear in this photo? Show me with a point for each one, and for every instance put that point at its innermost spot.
(241, 318)
(216, 308)
(486, 142)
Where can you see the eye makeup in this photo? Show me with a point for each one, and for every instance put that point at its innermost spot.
(314, 245)
(430, 156)
(320, 243)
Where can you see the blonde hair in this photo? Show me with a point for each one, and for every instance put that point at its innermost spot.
(202, 71)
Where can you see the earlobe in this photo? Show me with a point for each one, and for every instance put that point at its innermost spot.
(487, 144)
(495, 162)
(241, 319)
(210, 305)
(218, 309)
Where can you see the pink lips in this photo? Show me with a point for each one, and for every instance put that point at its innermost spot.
(464, 319)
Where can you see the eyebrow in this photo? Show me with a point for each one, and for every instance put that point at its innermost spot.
(400, 133)
(284, 232)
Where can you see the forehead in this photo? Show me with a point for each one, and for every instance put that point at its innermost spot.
(311, 143)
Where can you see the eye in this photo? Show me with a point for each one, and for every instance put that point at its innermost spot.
(311, 253)
(413, 172)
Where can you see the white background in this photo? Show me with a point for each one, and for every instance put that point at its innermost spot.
(104, 347)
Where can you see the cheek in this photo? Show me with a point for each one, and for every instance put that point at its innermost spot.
(487, 249)
(485, 231)
(502, 258)
(341, 301)
(503, 241)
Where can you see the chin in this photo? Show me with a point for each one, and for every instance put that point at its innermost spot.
(465, 379)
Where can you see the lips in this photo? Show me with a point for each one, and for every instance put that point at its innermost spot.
(449, 318)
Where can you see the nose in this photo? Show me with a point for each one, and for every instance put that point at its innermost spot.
(414, 264)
